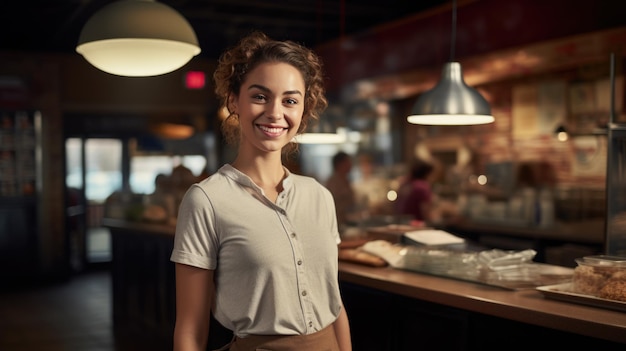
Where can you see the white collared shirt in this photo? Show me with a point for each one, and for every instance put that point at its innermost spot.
(275, 264)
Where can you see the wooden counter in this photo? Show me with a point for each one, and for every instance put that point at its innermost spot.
(525, 306)
(387, 307)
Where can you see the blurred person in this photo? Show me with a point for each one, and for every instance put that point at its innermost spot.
(340, 187)
(181, 179)
(371, 189)
(257, 245)
(415, 196)
(161, 204)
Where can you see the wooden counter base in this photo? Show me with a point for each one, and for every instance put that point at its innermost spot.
(525, 309)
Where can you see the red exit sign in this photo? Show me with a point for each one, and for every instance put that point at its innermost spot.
(195, 80)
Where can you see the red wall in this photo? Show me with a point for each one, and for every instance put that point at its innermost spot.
(483, 26)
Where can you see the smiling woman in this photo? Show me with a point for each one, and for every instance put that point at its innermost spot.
(253, 216)
(229, 83)
(270, 111)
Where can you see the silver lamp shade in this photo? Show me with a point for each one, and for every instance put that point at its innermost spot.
(451, 102)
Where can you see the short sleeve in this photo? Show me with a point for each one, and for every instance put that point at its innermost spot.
(195, 241)
(328, 198)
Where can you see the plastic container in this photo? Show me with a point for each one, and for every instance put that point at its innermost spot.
(601, 276)
(605, 261)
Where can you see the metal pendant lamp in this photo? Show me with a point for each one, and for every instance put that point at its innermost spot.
(137, 38)
(451, 101)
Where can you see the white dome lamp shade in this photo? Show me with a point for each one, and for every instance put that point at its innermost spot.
(137, 38)
(451, 102)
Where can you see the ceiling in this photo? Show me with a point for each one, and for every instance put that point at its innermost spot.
(54, 25)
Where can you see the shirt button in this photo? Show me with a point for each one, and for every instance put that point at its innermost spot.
(310, 324)
(304, 293)
(293, 235)
(299, 262)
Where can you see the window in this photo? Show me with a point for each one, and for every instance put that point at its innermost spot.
(144, 169)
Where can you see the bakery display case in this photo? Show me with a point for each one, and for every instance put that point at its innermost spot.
(616, 191)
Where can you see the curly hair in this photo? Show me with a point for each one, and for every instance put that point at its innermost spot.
(255, 49)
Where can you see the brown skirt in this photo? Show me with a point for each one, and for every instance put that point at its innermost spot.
(323, 340)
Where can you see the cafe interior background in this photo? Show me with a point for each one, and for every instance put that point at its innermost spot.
(543, 66)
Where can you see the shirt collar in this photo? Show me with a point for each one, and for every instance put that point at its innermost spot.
(241, 178)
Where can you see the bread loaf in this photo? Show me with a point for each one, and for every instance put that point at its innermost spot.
(358, 256)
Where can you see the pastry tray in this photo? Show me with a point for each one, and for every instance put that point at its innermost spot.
(564, 292)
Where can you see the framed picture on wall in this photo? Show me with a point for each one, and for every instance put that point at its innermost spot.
(590, 156)
(538, 109)
(590, 104)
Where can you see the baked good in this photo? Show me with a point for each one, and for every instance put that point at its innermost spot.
(614, 289)
(586, 281)
(601, 276)
(359, 256)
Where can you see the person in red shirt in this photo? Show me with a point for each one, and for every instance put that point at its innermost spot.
(415, 195)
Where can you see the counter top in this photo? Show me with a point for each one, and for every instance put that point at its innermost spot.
(527, 306)
(148, 227)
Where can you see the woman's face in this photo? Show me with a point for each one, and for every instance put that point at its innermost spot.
(270, 105)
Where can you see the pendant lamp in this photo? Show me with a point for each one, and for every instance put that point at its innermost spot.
(319, 138)
(321, 135)
(451, 101)
(325, 130)
(137, 38)
(561, 133)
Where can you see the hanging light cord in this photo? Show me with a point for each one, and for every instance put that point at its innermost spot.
(453, 35)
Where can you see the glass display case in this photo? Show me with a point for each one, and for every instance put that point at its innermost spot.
(616, 191)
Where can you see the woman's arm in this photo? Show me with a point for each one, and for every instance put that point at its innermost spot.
(342, 330)
(194, 295)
